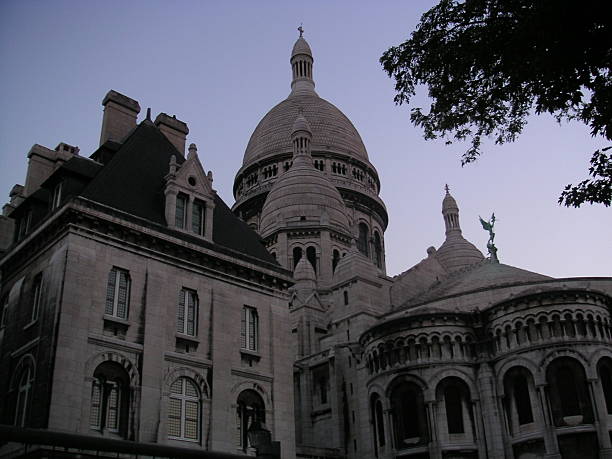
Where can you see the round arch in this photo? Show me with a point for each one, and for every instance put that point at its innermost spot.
(184, 372)
(112, 356)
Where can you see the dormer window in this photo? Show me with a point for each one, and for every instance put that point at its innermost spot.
(198, 212)
(56, 199)
(190, 198)
(181, 211)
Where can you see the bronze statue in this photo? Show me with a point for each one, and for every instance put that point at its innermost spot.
(488, 226)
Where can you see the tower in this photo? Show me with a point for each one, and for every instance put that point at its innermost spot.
(337, 153)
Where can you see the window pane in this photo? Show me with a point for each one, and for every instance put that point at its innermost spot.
(177, 387)
(94, 413)
(190, 389)
(174, 418)
(180, 313)
(191, 313)
(122, 296)
(180, 211)
(110, 292)
(112, 405)
(243, 329)
(191, 420)
(197, 218)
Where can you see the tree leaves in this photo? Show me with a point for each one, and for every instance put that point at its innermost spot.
(488, 64)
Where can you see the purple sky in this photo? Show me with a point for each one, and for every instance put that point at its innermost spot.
(220, 66)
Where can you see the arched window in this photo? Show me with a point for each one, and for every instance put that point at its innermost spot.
(250, 407)
(109, 399)
(297, 255)
(454, 409)
(455, 395)
(24, 381)
(376, 413)
(184, 410)
(604, 368)
(362, 242)
(377, 249)
(568, 392)
(311, 255)
(409, 417)
(335, 260)
(518, 398)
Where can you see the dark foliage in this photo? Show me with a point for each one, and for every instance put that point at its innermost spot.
(488, 64)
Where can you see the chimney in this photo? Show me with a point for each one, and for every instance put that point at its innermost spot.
(43, 161)
(119, 119)
(175, 130)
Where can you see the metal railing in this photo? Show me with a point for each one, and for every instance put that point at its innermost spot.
(47, 443)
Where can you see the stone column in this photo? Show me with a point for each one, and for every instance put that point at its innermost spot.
(435, 451)
(506, 427)
(598, 402)
(550, 437)
(492, 430)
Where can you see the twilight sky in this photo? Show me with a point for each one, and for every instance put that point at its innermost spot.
(220, 66)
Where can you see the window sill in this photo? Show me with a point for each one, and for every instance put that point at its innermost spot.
(30, 324)
(184, 337)
(250, 354)
(116, 320)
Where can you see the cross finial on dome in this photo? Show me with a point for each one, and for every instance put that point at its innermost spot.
(301, 30)
(446, 188)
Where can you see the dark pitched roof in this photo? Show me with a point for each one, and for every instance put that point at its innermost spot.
(133, 181)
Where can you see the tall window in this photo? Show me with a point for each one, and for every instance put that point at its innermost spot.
(36, 296)
(198, 212)
(362, 241)
(180, 216)
(249, 329)
(377, 420)
(454, 409)
(297, 255)
(311, 255)
(109, 399)
(24, 395)
(184, 411)
(56, 198)
(118, 293)
(187, 312)
(250, 407)
(605, 376)
(569, 393)
(377, 249)
(320, 384)
(335, 259)
(409, 417)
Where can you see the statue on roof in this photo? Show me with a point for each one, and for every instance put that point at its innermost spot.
(301, 30)
(488, 226)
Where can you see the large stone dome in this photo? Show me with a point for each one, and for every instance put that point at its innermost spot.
(332, 131)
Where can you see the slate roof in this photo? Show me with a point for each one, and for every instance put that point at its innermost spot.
(480, 276)
(133, 181)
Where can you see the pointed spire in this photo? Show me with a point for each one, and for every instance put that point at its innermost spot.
(450, 212)
(148, 114)
(193, 150)
(301, 65)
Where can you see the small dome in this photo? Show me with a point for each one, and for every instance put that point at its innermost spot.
(456, 253)
(301, 46)
(301, 125)
(301, 195)
(449, 203)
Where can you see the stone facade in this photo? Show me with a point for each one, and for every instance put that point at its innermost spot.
(131, 324)
(136, 305)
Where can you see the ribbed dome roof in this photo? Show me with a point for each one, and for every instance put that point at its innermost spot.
(302, 194)
(456, 252)
(301, 46)
(331, 129)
